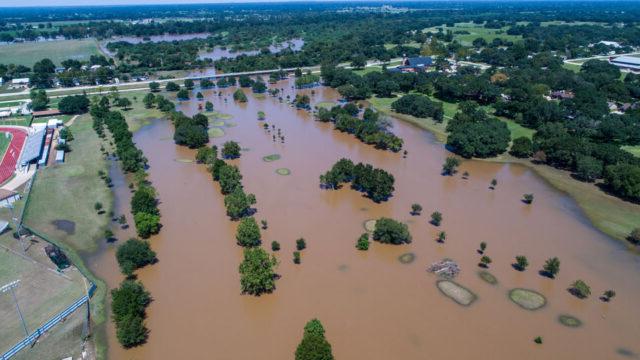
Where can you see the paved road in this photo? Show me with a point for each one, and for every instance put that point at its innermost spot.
(145, 84)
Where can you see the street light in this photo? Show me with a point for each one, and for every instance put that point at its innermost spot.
(9, 287)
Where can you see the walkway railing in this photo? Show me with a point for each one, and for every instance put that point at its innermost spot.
(48, 325)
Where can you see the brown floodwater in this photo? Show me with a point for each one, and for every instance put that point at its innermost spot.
(372, 306)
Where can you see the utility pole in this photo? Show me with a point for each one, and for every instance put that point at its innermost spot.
(9, 287)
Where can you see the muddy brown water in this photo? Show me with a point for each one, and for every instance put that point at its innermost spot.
(372, 306)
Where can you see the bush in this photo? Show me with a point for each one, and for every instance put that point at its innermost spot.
(588, 168)
(436, 218)
(301, 244)
(134, 254)
(248, 232)
(580, 289)
(128, 307)
(522, 147)
(171, 86)
(238, 203)
(230, 150)
(239, 96)
(634, 236)
(257, 272)
(296, 257)
(363, 242)
(314, 346)
(275, 246)
(389, 231)
(552, 267)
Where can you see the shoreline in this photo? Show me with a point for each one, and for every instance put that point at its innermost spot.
(616, 219)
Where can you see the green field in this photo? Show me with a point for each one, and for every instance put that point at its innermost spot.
(5, 140)
(475, 31)
(28, 53)
(41, 293)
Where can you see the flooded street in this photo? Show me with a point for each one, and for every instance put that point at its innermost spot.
(371, 305)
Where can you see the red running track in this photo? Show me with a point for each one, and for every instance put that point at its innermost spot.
(12, 155)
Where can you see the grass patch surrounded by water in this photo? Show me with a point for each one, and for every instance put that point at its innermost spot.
(527, 299)
(456, 292)
(217, 123)
(283, 171)
(219, 115)
(270, 158)
(488, 277)
(216, 132)
(326, 104)
(370, 225)
(569, 321)
(407, 258)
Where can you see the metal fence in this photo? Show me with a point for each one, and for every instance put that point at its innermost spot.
(48, 325)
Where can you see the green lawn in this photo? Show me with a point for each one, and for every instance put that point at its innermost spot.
(573, 67)
(5, 140)
(22, 120)
(30, 52)
(475, 31)
(635, 150)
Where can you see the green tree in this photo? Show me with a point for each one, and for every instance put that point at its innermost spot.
(230, 150)
(522, 147)
(296, 257)
(485, 261)
(148, 100)
(171, 86)
(189, 84)
(183, 94)
(257, 272)
(123, 102)
(608, 295)
(521, 262)
(275, 246)
(208, 106)
(154, 86)
(97, 206)
(239, 96)
(483, 247)
(229, 178)
(450, 165)
(314, 345)
(580, 289)
(442, 236)
(634, 236)
(589, 168)
(39, 100)
(248, 232)
(301, 244)
(551, 267)
(74, 104)
(436, 218)
(389, 231)
(134, 254)
(623, 180)
(527, 198)
(416, 209)
(238, 203)
(363, 242)
(128, 306)
(146, 224)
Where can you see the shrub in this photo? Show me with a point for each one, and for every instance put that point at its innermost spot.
(436, 218)
(389, 231)
(230, 150)
(248, 232)
(239, 96)
(527, 198)
(275, 246)
(416, 209)
(301, 244)
(580, 289)
(521, 262)
(363, 242)
(296, 257)
(450, 165)
(634, 236)
(552, 267)
(134, 254)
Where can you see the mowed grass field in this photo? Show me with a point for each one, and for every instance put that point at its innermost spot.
(475, 31)
(29, 52)
(5, 140)
(42, 292)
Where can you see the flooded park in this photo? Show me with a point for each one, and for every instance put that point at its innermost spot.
(372, 305)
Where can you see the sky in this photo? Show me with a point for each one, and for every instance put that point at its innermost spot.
(117, 2)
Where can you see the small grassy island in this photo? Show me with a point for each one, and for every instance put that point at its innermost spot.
(527, 299)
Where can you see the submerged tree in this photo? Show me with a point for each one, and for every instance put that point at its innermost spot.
(257, 272)
(389, 231)
(248, 232)
(134, 254)
(363, 242)
(314, 345)
(580, 289)
(551, 267)
(450, 165)
(416, 209)
(436, 218)
(521, 262)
